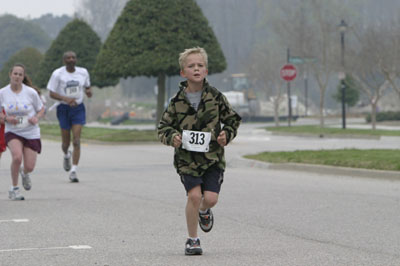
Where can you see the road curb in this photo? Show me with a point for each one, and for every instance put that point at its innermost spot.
(327, 136)
(318, 169)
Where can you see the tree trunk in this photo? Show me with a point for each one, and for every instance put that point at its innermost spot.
(276, 112)
(373, 115)
(160, 96)
(321, 109)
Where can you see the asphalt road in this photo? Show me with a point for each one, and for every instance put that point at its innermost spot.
(128, 209)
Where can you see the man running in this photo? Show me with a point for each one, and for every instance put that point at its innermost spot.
(67, 85)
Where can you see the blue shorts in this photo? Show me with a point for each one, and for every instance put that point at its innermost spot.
(68, 116)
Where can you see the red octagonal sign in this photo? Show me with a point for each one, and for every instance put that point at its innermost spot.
(288, 72)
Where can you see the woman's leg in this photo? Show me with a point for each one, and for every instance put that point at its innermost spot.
(29, 159)
(16, 148)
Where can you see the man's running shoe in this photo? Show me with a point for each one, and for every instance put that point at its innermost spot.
(26, 180)
(73, 177)
(67, 161)
(13, 194)
(206, 221)
(193, 247)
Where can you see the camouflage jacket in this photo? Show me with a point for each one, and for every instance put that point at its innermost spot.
(214, 110)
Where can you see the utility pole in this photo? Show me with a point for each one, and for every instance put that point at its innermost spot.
(288, 92)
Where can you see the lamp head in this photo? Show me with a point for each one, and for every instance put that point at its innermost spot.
(342, 26)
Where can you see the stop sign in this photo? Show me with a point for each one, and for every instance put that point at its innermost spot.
(288, 72)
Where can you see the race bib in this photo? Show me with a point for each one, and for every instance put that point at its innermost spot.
(72, 92)
(196, 140)
(22, 122)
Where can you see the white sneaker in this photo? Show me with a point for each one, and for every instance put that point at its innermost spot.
(26, 180)
(14, 194)
(73, 177)
(67, 162)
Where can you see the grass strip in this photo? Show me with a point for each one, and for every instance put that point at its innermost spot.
(103, 134)
(317, 130)
(379, 159)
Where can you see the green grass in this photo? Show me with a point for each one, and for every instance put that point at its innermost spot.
(369, 159)
(102, 134)
(128, 121)
(316, 130)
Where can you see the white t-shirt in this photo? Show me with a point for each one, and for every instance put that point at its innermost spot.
(24, 105)
(69, 84)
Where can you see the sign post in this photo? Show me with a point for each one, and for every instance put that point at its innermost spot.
(288, 73)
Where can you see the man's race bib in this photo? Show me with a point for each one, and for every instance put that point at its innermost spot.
(196, 140)
(22, 122)
(72, 92)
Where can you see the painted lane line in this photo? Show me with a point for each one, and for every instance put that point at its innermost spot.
(15, 221)
(75, 247)
(80, 247)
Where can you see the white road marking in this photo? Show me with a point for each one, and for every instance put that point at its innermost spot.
(48, 248)
(15, 221)
(80, 247)
(252, 138)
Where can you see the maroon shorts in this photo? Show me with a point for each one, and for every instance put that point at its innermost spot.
(33, 144)
(2, 141)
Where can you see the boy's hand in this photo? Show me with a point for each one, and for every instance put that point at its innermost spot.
(222, 138)
(177, 141)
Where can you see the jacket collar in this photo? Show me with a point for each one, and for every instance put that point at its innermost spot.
(184, 84)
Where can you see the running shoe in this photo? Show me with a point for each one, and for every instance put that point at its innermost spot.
(193, 247)
(73, 177)
(206, 221)
(26, 180)
(67, 162)
(14, 194)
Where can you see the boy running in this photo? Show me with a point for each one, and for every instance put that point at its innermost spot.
(192, 125)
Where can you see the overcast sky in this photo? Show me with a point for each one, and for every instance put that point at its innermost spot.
(36, 8)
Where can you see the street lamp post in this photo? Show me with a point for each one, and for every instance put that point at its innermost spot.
(342, 29)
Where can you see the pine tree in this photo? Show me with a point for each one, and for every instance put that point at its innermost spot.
(76, 36)
(149, 35)
(29, 57)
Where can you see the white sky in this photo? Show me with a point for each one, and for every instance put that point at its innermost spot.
(37, 8)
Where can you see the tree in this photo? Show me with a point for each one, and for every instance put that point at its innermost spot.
(389, 53)
(311, 32)
(76, 36)
(263, 71)
(149, 35)
(29, 57)
(367, 64)
(16, 34)
(352, 91)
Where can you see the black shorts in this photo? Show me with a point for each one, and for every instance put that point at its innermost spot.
(210, 181)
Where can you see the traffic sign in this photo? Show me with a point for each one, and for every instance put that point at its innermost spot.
(288, 72)
(299, 60)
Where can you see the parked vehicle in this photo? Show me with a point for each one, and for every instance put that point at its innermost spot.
(241, 95)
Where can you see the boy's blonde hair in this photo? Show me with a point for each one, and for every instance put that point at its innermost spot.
(194, 50)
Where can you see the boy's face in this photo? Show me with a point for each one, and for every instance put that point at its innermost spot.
(195, 69)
